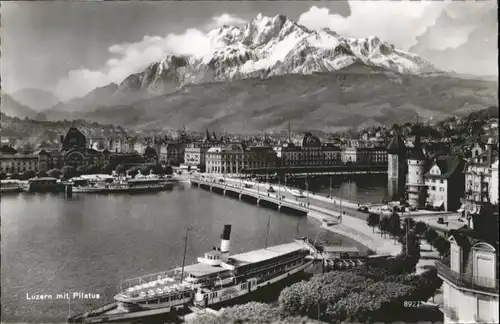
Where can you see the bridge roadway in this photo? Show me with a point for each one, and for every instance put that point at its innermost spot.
(278, 198)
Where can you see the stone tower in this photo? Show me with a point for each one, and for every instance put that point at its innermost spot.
(415, 183)
(396, 170)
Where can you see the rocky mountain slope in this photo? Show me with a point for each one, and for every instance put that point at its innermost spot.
(273, 70)
(356, 96)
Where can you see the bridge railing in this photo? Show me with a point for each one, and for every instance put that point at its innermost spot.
(252, 192)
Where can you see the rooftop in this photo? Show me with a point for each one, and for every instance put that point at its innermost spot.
(338, 248)
(202, 269)
(267, 253)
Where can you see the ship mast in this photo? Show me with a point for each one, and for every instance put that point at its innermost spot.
(184, 257)
(267, 230)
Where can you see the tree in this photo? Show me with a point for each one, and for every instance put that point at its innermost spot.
(158, 169)
(54, 173)
(3, 175)
(442, 245)
(15, 176)
(42, 174)
(430, 235)
(92, 169)
(395, 225)
(108, 168)
(384, 225)
(79, 171)
(145, 169)
(26, 175)
(133, 171)
(408, 222)
(68, 172)
(168, 169)
(373, 221)
(420, 228)
(120, 169)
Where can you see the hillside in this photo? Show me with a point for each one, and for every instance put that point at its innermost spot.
(35, 98)
(12, 108)
(352, 97)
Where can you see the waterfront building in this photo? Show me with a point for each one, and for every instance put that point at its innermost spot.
(445, 182)
(415, 183)
(195, 156)
(74, 152)
(311, 152)
(478, 180)
(364, 155)
(12, 161)
(235, 157)
(470, 279)
(494, 183)
(396, 166)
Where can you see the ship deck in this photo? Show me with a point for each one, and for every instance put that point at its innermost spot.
(265, 254)
(162, 286)
(202, 269)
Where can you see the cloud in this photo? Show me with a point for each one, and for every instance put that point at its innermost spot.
(398, 22)
(226, 19)
(130, 58)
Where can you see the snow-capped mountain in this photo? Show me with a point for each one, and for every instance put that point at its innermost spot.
(272, 46)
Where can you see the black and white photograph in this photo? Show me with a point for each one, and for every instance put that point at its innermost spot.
(213, 162)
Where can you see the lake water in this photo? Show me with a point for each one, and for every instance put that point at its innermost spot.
(52, 245)
(364, 189)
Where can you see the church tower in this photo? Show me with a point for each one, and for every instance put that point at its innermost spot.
(415, 183)
(396, 167)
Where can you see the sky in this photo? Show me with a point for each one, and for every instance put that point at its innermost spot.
(70, 48)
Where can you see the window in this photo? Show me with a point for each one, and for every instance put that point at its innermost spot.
(442, 181)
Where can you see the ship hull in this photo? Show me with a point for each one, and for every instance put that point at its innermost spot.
(234, 298)
(111, 315)
(239, 294)
(119, 190)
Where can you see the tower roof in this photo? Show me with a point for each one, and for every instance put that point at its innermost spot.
(396, 145)
(416, 153)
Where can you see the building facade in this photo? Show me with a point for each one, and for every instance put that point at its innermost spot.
(445, 181)
(195, 156)
(478, 181)
(74, 152)
(364, 155)
(12, 161)
(470, 280)
(494, 183)
(311, 153)
(235, 158)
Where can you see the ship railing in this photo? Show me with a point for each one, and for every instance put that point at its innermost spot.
(173, 276)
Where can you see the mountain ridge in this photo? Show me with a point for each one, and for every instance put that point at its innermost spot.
(373, 83)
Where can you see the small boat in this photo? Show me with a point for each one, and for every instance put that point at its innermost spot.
(10, 186)
(44, 184)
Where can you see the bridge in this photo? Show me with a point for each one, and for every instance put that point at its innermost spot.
(277, 200)
(339, 169)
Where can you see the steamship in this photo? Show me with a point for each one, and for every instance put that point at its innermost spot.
(218, 277)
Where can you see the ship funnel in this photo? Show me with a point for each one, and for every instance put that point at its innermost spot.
(225, 239)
